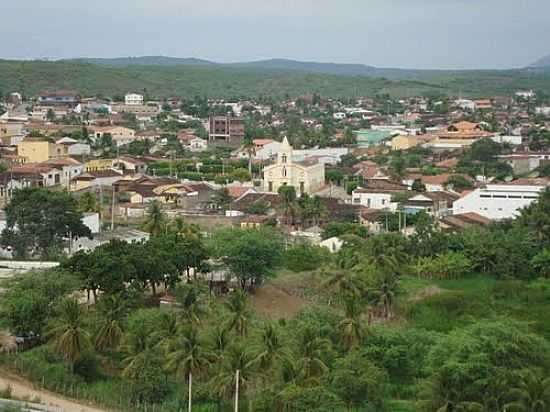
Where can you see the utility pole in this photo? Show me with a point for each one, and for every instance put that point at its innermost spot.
(113, 208)
(237, 390)
(190, 390)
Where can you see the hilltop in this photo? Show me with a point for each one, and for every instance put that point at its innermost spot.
(543, 63)
(213, 80)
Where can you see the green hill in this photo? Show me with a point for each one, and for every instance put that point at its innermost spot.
(30, 77)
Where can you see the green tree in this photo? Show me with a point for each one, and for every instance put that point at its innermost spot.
(249, 254)
(112, 310)
(472, 364)
(531, 392)
(156, 221)
(68, 334)
(359, 382)
(541, 263)
(88, 203)
(536, 217)
(188, 358)
(311, 352)
(240, 314)
(238, 361)
(38, 220)
(351, 327)
(29, 301)
(287, 194)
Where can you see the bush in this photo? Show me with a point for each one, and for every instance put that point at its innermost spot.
(300, 258)
(358, 381)
(448, 265)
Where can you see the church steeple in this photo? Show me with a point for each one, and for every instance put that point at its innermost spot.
(285, 154)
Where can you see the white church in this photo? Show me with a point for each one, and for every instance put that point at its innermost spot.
(306, 176)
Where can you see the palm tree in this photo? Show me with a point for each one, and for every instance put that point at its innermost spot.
(250, 148)
(239, 360)
(112, 311)
(181, 228)
(311, 348)
(155, 223)
(351, 326)
(532, 393)
(345, 281)
(288, 202)
(219, 340)
(271, 347)
(191, 303)
(188, 358)
(69, 338)
(237, 303)
(386, 286)
(88, 203)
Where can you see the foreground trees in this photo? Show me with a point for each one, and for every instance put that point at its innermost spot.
(38, 220)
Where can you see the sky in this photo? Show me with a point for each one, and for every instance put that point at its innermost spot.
(446, 34)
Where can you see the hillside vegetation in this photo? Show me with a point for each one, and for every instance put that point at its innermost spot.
(30, 77)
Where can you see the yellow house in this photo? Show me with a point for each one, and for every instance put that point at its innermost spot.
(37, 150)
(95, 165)
(406, 142)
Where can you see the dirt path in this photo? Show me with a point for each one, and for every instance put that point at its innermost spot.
(22, 389)
(275, 303)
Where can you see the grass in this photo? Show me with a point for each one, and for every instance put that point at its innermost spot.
(463, 301)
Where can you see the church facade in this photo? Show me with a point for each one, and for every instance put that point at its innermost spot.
(306, 176)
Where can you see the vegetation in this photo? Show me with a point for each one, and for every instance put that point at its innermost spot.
(39, 220)
(430, 322)
(31, 77)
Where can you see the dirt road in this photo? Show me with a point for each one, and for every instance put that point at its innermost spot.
(22, 389)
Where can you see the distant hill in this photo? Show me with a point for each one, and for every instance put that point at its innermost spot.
(270, 78)
(144, 61)
(543, 63)
(339, 69)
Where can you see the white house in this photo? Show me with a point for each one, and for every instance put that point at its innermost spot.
(133, 99)
(544, 111)
(373, 199)
(333, 244)
(197, 145)
(501, 201)
(121, 233)
(74, 147)
(466, 104)
(69, 168)
(339, 116)
(513, 140)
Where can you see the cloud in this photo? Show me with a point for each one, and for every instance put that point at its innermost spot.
(405, 33)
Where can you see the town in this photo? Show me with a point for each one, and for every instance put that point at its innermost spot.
(306, 253)
(217, 164)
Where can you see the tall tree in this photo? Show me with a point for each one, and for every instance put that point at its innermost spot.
(38, 220)
(188, 357)
(111, 311)
(240, 314)
(156, 221)
(68, 335)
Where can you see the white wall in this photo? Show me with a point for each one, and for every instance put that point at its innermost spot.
(374, 200)
(497, 201)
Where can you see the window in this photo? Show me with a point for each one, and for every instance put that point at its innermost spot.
(284, 172)
(302, 187)
(270, 186)
(283, 158)
(485, 196)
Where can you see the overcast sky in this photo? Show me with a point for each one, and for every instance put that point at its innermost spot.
(385, 33)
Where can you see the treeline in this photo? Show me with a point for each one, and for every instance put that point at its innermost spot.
(374, 347)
